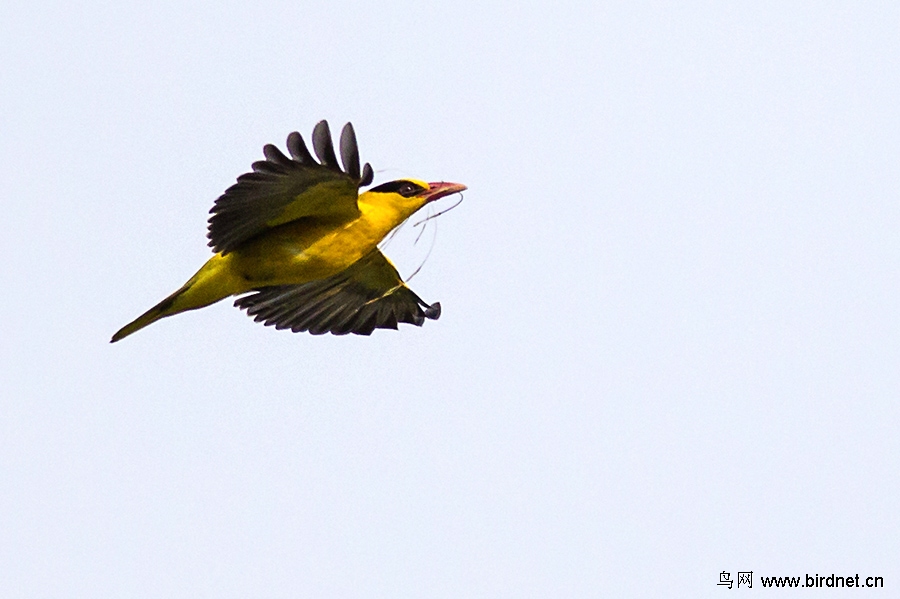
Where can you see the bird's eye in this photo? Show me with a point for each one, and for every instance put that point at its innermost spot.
(408, 190)
(405, 188)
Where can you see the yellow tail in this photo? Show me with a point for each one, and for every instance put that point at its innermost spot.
(147, 318)
(213, 282)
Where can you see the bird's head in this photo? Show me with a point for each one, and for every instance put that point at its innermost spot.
(408, 195)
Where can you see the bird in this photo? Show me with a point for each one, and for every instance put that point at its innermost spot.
(298, 241)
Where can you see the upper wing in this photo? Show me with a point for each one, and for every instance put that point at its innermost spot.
(282, 189)
(367, 296)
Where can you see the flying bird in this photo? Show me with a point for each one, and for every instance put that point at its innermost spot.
(298, 242)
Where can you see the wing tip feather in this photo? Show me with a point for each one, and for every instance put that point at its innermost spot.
(241, 198)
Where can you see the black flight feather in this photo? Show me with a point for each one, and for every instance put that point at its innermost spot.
(298, 150)
(273, 154)
(350, 151)
(323, 146)
(367, 175)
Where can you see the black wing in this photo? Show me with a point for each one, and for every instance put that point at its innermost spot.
(367, 296)
(282, 189)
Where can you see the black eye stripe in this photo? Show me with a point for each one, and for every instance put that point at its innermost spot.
(405, 188)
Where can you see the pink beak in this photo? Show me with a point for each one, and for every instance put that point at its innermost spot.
(439, 190)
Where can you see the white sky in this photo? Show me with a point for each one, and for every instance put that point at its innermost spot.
(670, 339)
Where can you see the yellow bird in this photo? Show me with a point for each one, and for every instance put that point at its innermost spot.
(298, 235)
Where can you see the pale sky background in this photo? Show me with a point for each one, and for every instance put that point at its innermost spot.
(670, 343)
